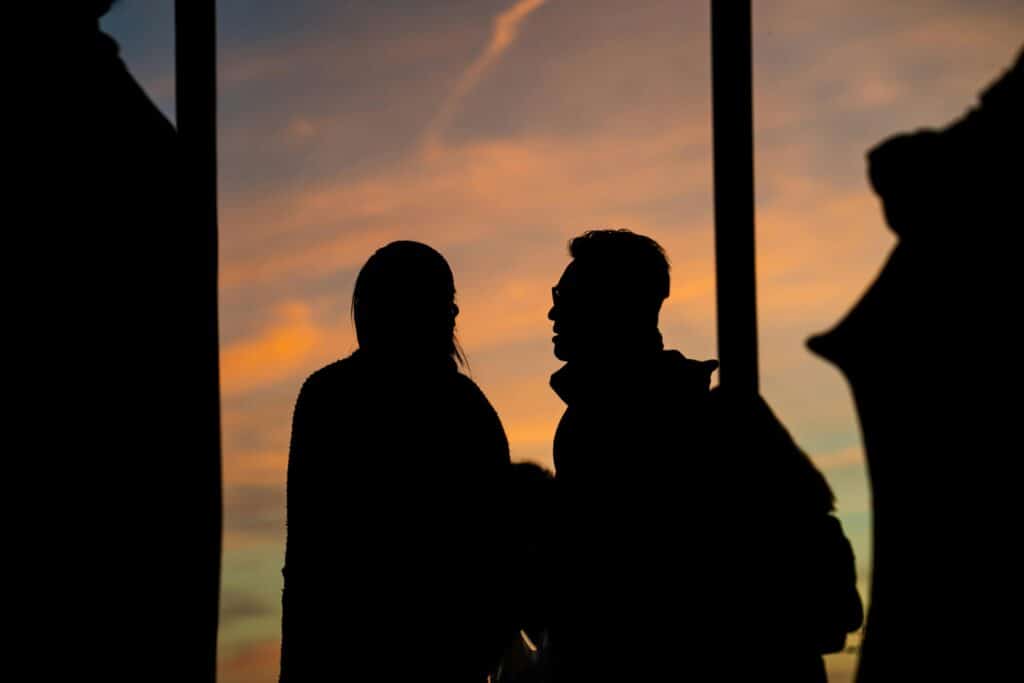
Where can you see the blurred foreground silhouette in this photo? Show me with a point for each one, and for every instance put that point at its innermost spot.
(111, 373)
(932, 353)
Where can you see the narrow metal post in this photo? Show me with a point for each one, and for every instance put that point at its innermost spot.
(196, 92)
(732, 96)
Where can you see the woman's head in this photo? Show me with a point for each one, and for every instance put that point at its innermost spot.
(404, 303)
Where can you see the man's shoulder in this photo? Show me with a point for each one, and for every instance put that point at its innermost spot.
(676, 367)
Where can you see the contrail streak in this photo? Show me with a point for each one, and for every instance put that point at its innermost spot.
(504, 32)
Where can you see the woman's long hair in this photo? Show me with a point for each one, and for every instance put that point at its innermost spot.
(403, 304)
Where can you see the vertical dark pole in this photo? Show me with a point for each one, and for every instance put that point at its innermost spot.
(196, 79)
(732, 95)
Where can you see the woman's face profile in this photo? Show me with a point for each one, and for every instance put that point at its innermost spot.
(404, 302)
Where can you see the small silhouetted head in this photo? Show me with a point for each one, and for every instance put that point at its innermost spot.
(533, 493)
(609, 297)
(534, 502)
(93, 9)
(82, 12)
(404, 304)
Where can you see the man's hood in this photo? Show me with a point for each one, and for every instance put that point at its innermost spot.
(662, 371)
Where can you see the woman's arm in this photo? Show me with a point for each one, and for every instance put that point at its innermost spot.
(297, 624)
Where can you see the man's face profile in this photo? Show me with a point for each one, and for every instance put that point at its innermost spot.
(573, 313)
(595, 313)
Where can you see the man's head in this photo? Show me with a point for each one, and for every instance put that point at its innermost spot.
(610, 294)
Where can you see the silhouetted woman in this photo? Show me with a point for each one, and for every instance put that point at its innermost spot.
(395, 478)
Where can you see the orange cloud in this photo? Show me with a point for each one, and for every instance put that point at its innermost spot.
(280, 349)
(489, 189)
(257, 663)
(845, 457)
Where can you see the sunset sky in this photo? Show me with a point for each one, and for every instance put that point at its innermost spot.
(495, 130)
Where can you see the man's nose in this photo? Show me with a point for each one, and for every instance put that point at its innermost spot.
(551, 314)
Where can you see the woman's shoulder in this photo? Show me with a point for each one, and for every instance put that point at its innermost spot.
(468, 388)
(340, 372)
(471, 398)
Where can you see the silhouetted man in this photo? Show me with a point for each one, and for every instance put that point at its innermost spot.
(635, 414)
(696, 537)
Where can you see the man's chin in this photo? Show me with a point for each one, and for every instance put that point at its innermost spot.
(561, 352)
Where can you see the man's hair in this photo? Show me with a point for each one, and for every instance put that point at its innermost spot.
(638, 262)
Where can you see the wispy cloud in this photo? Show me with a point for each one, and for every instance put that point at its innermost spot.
(504, 32)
